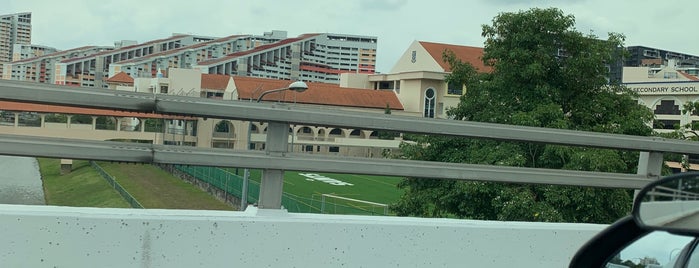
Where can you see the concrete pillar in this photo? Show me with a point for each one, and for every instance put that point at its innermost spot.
(273, 179)
(43, 120)
(16, 119)
(142, 124)
(94, 122)
(118, 124)
(66, 166)
(650, 164)
(68, 119)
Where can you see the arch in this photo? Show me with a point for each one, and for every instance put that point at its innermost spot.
(667, 106)
(335, 132)
(430, 102)
(224, 126)
(306, 130)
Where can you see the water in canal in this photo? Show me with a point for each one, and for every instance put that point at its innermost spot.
(20, 181)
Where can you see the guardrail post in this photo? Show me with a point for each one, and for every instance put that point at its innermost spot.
(650, 164)
(273, 179)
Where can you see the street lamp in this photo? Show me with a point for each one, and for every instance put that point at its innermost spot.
(298, 86)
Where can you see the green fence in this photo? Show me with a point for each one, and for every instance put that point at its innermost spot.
(232, 184)
(127, 196)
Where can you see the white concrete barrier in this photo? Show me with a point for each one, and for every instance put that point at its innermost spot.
(46, 236)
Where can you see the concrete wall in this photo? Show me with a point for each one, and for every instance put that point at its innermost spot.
(423, 61)
(47, 236)
(186, 82)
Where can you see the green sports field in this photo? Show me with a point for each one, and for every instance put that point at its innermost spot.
(308, 188)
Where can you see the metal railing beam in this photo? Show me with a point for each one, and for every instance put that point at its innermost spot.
(170, 154)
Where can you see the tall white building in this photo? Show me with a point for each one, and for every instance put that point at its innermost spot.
(14, 29)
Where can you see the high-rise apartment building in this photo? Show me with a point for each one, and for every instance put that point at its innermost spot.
(657, 59)
(14, 29)
(309, 57)
(24, 51)
(93, 70)
(42, 68)
(183, 57)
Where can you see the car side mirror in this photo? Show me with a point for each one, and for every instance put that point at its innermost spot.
(670, 204)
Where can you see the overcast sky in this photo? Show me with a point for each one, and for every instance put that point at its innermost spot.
(72, 23)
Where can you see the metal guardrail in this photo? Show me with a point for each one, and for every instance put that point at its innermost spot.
(280, 115)
(112, 181)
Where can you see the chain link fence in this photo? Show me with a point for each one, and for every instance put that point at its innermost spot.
(112, 181)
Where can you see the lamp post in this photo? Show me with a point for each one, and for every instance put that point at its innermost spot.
(272, 179)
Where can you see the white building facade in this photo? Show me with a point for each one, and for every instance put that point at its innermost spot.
(418, 78)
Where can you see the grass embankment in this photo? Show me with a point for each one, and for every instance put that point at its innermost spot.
(151, 186)
(155, 188)
(83, 187)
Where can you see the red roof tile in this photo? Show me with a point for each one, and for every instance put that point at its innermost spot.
(45, 108)
(317, 93)
(214, 81)
(689, 76)
(121, 77)
(472, 55)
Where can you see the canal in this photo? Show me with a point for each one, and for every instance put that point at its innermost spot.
(20, 181)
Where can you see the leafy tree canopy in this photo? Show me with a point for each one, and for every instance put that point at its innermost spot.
(545, 74)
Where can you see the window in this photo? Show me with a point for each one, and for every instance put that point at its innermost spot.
(334, 149)
(670, 75)
(386, 85)
(429, 103)
(163, 89)
(666, 124)
(455, 89)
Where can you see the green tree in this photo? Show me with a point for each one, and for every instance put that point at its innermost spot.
(545, 74)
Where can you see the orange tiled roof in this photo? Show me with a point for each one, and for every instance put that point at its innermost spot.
(317, 93)
(472, 55)
(689, 76)
(45, 108)
(121, 77)
(214, 81)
